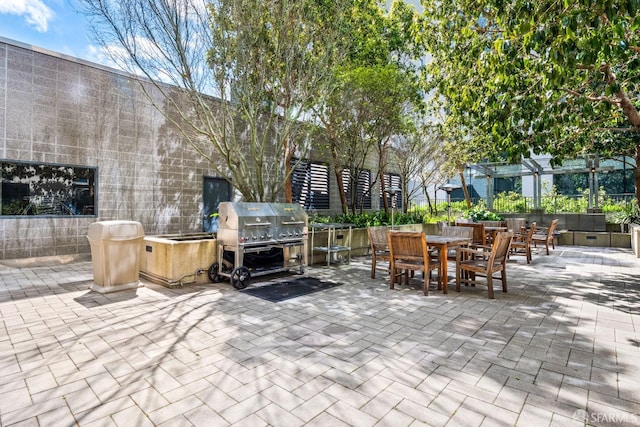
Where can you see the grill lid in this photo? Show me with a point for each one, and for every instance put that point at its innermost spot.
(240, 215)
(249, 223)
(289, 214)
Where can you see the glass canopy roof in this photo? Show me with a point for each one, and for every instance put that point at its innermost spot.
(542, 166)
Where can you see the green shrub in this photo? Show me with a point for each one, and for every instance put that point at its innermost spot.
(366, 219)
(482, 214)
(629, 215)
(510, 202)
(373, 219)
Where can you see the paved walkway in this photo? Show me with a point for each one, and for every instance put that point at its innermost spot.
(561, 348)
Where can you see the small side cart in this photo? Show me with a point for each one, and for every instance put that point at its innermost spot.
(335, 242)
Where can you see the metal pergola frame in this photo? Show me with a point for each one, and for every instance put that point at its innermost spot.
(531, 167)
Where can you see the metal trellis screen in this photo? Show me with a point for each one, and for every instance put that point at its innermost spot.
(362, 195)
(392, 180)
(310, 185)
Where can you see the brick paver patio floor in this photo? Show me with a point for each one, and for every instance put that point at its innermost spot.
(561, 348)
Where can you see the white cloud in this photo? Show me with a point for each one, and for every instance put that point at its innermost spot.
(35, 12)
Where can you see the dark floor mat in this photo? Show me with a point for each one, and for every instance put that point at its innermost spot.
(282, 291)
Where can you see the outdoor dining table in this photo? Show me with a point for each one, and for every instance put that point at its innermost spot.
(442, 244)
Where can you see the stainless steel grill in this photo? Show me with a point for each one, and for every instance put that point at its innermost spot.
(259, 238)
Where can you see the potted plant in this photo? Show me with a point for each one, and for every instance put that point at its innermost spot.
(481, 214)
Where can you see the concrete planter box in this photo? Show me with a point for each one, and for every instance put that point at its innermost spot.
(176, 260)
(602, 239)
(620, 240)
(566, 221)
(635, 238)
(590, 238)
(565, 238)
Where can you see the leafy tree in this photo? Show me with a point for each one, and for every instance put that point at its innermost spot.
(374, 87)
(419, 156)
(246, 69)
(364, 112)
(517, 77)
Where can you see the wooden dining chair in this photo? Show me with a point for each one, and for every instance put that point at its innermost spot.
(479, 234)
(521, 243)
(489, 234)
(480, 261)
(545, 235)
(379, 247)
(516, 224)
(488, 223)
(455, 231)
(408, 253)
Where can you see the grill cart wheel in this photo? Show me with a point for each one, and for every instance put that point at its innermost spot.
(240, 277)
(213, 272)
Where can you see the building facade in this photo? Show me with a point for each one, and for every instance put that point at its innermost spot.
(81, 143)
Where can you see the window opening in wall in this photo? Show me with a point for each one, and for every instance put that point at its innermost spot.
(310, 185)
(362, 182)
(38, 189)
(392, 180)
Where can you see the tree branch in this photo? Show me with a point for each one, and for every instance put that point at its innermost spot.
(618, 129)
(612, 101)
(624, 102)
(481, 30)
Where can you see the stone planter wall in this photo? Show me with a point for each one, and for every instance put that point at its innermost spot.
(566, 221)
(635, 238)
(176, 260)
(588, 238)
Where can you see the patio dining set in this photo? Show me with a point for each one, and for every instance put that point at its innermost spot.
(479, 249)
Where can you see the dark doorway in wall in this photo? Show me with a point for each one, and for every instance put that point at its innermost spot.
(214, 191)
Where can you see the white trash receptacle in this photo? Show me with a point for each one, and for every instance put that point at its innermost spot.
(115, 255)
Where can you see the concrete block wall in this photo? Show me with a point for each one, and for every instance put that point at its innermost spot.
(66, 111)
(61, 110)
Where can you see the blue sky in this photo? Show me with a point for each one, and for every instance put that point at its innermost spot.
(51, 24)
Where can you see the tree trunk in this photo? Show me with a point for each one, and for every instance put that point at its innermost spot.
(383, 189)
(343, 198)
(432, 211)
(288, 191)
(637, 175)
(467, 197)
(631, 112)
(405, 197)
(337, 170)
